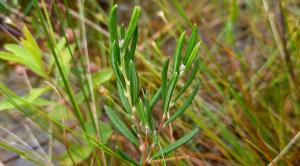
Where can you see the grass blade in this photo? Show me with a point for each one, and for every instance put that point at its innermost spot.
(164, 78)
(59, 66)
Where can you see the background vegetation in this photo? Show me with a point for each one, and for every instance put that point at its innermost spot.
(150, 82)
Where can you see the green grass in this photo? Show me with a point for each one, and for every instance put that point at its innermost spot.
(157, 82)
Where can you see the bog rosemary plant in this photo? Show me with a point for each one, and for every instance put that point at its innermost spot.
(137, 103)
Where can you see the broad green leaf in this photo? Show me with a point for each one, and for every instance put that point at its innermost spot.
(61, 113)
(105, 130)
(98, 78)
(27, 53)
(66, 58)
(22, 56)
(30, 44)
(185, 105)
(79, 153)
(120, 125)
(58, 49)
(176, 144)
(101, 76)
(177, 55)
(36, 92)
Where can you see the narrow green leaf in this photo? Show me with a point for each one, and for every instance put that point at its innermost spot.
(191, 44)
(127, 63)
(155, 98)
(113, 31)
(115, 64)
(132, 26)
(124, 99)
(149, 118)
(113, 24)
(170, 91)
(133, 43)
(120, 125)
(141, 111)
(128, 158)
(122, 31)
(190, 79)
(134, 83)
(164, 78)
(192, 56)
(185, 105)
(176, 144)
(177, 55)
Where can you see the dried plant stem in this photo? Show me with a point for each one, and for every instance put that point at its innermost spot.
(281, 41)
(89, 78)
(285, 149)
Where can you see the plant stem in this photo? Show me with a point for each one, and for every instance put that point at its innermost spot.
(285, 149)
